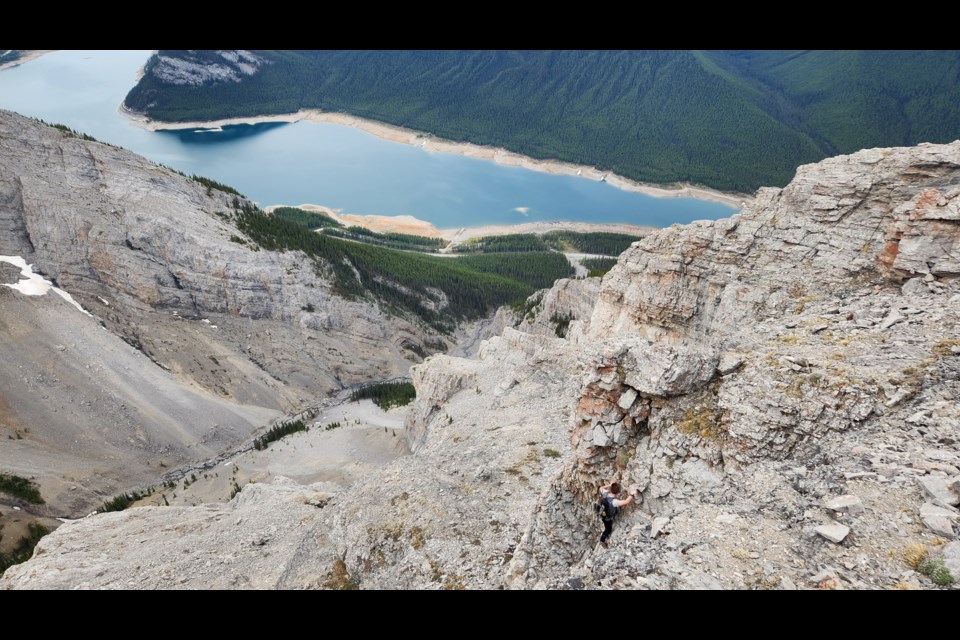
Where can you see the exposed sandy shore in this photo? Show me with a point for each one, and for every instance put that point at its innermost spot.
(417, 227)
(432, 143)
(26, 56)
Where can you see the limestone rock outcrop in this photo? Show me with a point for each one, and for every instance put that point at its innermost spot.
(564, 309)
(255, 541)
(156, 259)
(205, 67)
(879, 214)
(782, 388)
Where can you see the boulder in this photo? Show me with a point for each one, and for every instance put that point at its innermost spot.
(844, 504)
(835, 533)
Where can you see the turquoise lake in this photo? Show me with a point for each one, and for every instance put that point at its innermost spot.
(326, 164)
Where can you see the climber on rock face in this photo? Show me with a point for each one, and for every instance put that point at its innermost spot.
(608, 505)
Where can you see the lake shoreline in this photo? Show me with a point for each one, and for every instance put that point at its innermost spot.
(27, 56)
(414, 226)
(432, 143)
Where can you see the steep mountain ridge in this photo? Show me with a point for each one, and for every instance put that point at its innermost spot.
(87, 415)
(782, 387)
(158, 260)
(839, 219)
(108, 224)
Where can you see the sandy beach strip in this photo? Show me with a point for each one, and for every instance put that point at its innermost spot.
(415, 226)
(432, 143)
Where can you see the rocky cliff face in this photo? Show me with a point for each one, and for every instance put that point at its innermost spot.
(782, 388)
(157, 260)
(568, 301)
(250, 543)
(744, 373)
(144, 248)
(196, 68)
(880, 214)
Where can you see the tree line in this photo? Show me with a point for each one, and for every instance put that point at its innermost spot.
(403, 241)
(386, 395)
(598, 242)
(309, 219)
(440, 291)
(598, 267)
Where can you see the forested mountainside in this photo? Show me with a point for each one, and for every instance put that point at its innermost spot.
(732, 120)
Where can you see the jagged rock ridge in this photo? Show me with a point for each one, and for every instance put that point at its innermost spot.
(782, 387)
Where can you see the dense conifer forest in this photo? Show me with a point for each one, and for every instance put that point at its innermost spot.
(440, 291)
(733, 120)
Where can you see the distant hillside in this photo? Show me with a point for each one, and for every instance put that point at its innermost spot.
(850, 100)
(733, 120)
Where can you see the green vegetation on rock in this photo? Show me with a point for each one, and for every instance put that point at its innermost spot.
(539, 270)
(403, 241)
(936, 570)
(24, 547)
(386, 395)
(279, 431)
(308, 219)
(438, 290)
(513, 242)
(598, 267)
(601, 242)
(122, 501)
(22, 488)
(211, 184)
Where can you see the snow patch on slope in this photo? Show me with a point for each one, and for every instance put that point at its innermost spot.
(35, 284)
